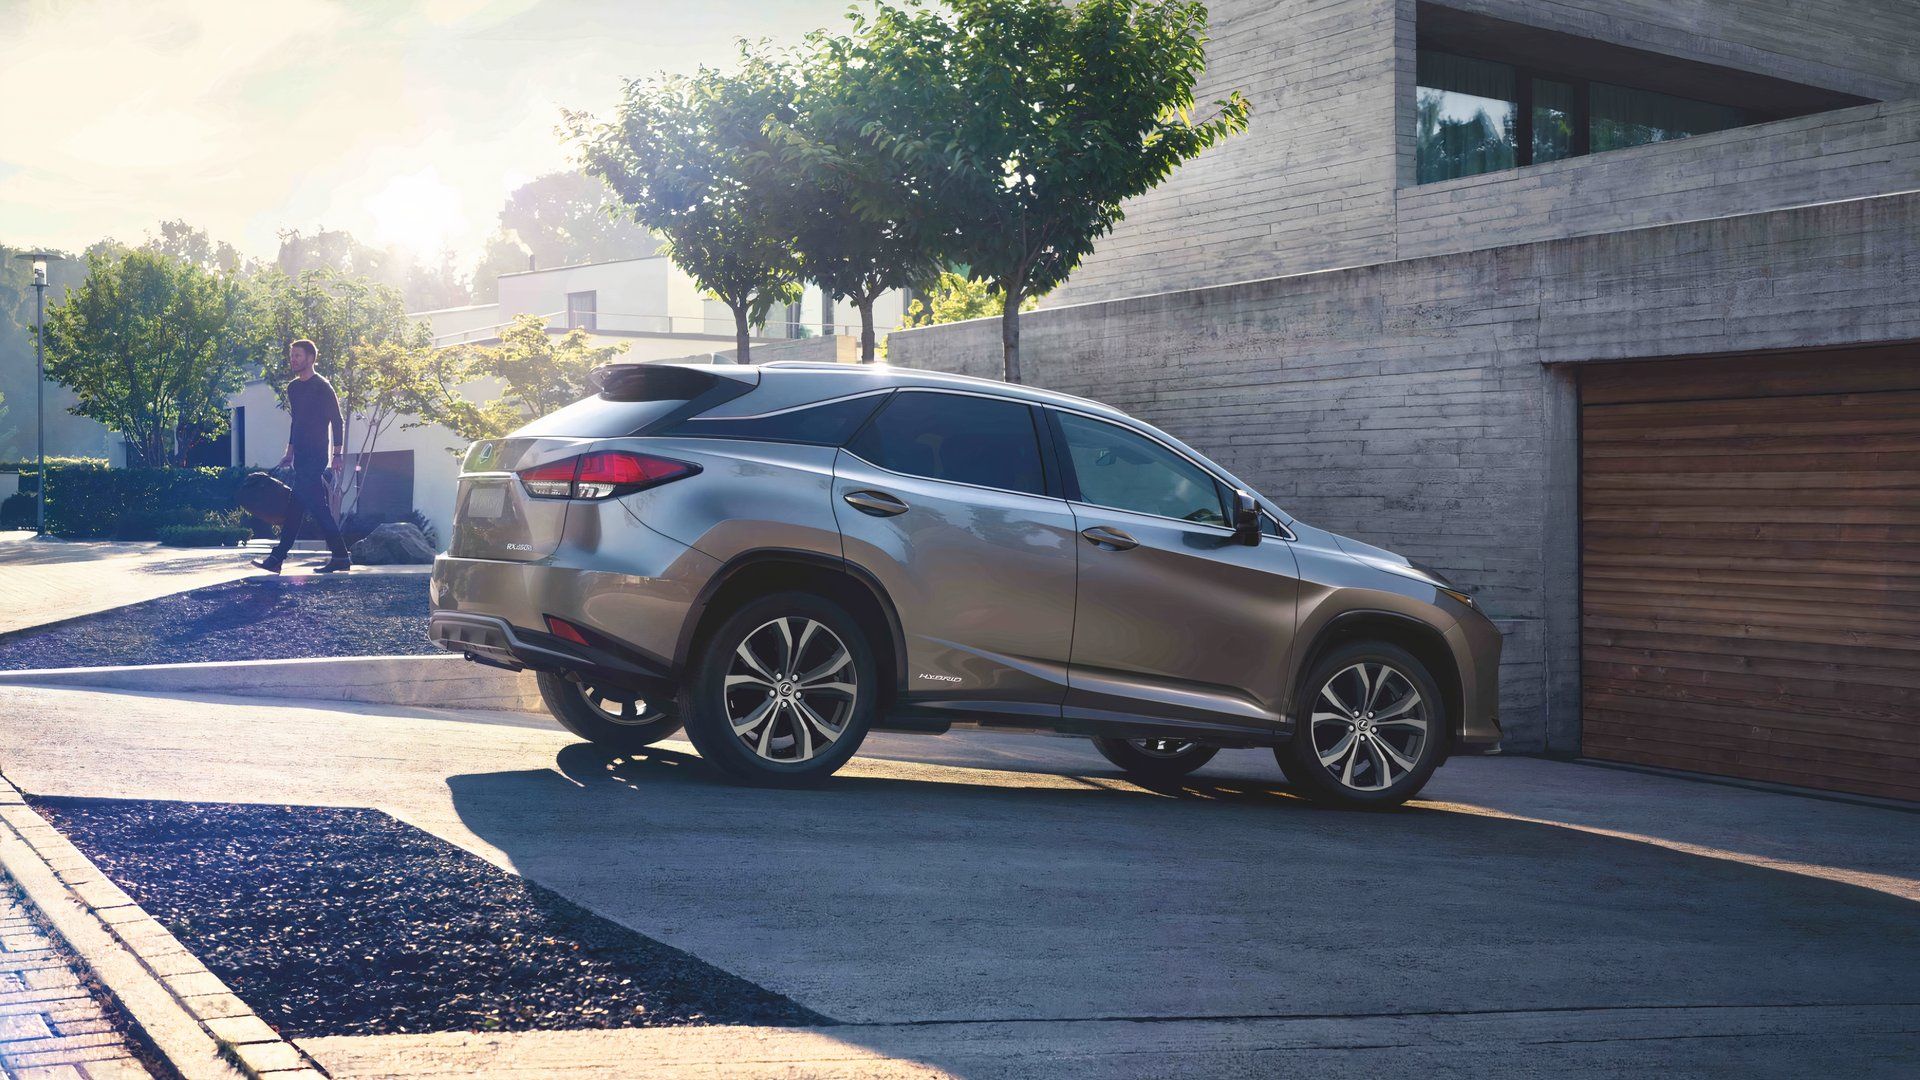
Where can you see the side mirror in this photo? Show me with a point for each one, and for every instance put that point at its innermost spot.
(1246, 519)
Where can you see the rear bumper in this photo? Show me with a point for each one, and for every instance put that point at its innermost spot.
(489, 639)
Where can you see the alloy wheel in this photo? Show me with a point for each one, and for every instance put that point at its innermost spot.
(618, 705)
(1369, 725)
(790, 690)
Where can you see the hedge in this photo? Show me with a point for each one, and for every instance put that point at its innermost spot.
(205, 535)
(91, 500)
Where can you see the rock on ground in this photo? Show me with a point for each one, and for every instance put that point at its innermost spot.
(396, 542)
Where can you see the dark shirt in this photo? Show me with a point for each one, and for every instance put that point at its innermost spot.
(315, 409)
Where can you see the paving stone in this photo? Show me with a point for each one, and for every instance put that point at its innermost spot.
(117, 1069)
(194, 984)
(212, 1006)
(242, 1029)
(264, 1057)
(50, 1072)
(29, 1026)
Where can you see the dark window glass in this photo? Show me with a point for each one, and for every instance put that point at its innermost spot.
(828, 424)
(1553, 120)
(1466, 114)
(1623, 116)
(1128, 471)
(969, 440)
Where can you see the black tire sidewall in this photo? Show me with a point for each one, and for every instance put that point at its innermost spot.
(1299, 760)
(702, 702)
(1131, 761)
(566, 704)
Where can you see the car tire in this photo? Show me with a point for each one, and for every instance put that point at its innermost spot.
(613, 717)
(1355, 741)
(1159, 761)
(781, 707)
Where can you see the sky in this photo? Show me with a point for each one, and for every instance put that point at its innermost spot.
(405, 124)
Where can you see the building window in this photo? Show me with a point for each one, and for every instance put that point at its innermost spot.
(1474, 116)
(583, 311)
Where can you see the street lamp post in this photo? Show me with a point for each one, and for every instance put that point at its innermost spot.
(39, 259)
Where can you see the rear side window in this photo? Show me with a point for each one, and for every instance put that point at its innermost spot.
(1125, 470)
(829, 423)
(598, 418)
(968, 440)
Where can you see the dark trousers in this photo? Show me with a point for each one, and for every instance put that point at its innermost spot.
(311, 499)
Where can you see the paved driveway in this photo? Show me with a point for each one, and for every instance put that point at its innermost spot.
(990, 904)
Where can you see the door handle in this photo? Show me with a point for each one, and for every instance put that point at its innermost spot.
(1106, 536)
(877, 503)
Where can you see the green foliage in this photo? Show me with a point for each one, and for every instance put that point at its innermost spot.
(148, 344)
(559, 219)
(689, 157)
(226, 529)
(956, 298)
(537, 371)
(860, 216)
(134, 504)
(1030, 122)
(17, 511)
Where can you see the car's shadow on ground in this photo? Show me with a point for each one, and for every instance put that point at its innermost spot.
(906, 891)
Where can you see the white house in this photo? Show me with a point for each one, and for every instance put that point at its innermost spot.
(646, 305)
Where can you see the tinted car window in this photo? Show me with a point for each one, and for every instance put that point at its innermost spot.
(826, 424)
(598, 418)
(969, 440)
(1128, 471)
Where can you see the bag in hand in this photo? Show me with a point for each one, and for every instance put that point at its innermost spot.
(265, 498)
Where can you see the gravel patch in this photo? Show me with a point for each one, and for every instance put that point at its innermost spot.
(333, 921)
(259, 618)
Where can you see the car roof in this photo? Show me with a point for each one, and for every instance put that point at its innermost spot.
(819, 380)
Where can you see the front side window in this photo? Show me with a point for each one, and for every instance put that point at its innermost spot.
(956, 437)
(1124, 470)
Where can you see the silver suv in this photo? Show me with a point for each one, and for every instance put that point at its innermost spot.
(782, 558)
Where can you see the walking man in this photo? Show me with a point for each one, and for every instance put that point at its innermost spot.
(316, 427)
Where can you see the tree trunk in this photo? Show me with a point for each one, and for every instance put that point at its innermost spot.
(740, 345)
(867, 346)
(1010, 336)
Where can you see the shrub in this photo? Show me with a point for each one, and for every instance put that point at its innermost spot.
(90, 500)
(17, 511)
(206, 534)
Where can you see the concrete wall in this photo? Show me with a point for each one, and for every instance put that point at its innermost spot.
(1323, 177)
(1408, 405)
(1302, 188)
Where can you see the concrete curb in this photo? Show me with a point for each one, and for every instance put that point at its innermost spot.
(184, 1010)
(445, 681)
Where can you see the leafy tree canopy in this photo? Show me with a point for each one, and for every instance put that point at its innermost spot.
(559, 219)
(1034, 120)
(150, 344)
(689, 158)
(534, 370)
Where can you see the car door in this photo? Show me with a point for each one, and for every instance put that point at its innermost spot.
(1174, 618)
(944, 497)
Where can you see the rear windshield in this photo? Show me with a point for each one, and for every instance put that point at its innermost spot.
(598, 418)
(635, 399)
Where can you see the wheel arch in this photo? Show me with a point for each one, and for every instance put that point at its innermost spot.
(1427, 644)
(758, 573)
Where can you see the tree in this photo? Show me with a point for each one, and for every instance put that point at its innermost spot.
(956, 298)
(861, 219)
(688, 156)
(378, 360)
(537, 371)
(179, 240)
(423, 287)
(1032, 121)
(559, 219)
(150, 344)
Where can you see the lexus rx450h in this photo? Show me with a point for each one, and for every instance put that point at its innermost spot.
(782, 558)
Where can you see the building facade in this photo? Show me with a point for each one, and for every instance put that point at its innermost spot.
(1606, 308)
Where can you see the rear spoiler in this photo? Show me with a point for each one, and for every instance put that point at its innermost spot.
(669, 382)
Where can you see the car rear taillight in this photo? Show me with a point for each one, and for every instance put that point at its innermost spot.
(602, 475)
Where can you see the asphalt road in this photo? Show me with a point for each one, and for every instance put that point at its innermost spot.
(990, 905)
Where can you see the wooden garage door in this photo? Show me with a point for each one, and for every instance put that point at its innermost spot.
(1750, 567)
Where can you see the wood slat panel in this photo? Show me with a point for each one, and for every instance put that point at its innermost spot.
(1751, 567)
